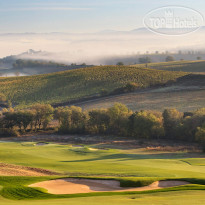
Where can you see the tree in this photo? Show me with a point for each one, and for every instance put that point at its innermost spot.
(120, 64)
(192, 122)
(169, 58)
(72, 119)
(146, 124)
(198, 58)
(23, 119)
(119, 114)
(145, 60)
(9, 120)
(200, 136)
(43, 114)
(77, 118)
(58, 113)
(98, 122)
(172, 121)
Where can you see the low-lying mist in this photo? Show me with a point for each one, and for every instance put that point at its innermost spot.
(96, 48)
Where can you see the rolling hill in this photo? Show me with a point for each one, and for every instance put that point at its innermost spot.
(76, 84)
(184, 66)
(156, 99)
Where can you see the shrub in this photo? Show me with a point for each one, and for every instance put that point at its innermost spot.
(146, 124)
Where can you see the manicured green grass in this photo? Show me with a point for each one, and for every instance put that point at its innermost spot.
(76, 84)
(168, 198)
(77, 161)
(137, 168)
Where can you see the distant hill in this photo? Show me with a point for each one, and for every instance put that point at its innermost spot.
(77, 84)
(7, 62)
(27, 63)
(185, 66)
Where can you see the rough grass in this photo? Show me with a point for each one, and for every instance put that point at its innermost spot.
(184, 66)
(161, 99)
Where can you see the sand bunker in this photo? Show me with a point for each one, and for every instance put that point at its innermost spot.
(15, 170)
(93, 149)
(74, 186)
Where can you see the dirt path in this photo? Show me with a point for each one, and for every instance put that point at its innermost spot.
(74, 186)
(15, 170)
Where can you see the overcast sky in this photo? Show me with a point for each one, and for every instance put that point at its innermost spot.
(18, 16)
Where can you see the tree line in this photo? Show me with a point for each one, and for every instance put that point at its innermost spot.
(117, 120)
(147, 59)
(22, 63)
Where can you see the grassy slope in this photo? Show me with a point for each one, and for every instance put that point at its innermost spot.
(187, 100)
(168, 198)
(160, 99)
(71, 161)
(185, 66)
(75, 84)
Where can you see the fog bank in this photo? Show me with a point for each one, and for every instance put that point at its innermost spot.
(95, 48)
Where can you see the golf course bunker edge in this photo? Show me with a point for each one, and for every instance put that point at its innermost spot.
(75, 186)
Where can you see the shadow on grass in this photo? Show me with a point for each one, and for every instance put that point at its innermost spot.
(125, 157)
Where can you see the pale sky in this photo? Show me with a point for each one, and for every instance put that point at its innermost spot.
(40, 16)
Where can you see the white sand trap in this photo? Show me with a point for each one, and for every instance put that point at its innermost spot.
(74, 186)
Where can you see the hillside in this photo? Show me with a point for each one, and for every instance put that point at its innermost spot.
(156, 99)
(80, 83)
(184, 66)
(186, 93)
